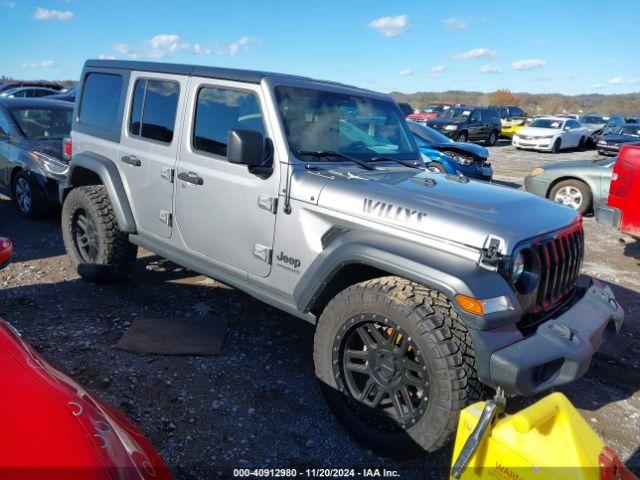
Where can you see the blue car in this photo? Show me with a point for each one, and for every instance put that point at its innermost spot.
(444, 155)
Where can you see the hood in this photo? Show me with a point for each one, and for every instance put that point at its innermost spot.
(620, 138)
(538, 132)
(570, 164)
(477, 151)
(52, 148)
(446, 121)
(463, 211)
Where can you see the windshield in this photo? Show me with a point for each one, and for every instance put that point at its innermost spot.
(592, 119)
(43, 122)
(546, 123)
(427, 135)
(458, 113)
(360, 126)
(631, 130)
(436, 108)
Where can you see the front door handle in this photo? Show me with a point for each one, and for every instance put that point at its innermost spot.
(132, 160)
(191, 177)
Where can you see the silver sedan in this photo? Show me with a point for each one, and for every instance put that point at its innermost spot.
(576, 184)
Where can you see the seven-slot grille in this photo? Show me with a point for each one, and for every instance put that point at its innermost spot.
(560, 261)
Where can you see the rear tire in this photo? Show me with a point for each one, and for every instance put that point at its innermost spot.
(491, 140)
(97, 248)
(410, 318)
(572, 193)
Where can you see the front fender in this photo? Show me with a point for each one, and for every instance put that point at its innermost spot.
(110, 178)
(443, 271)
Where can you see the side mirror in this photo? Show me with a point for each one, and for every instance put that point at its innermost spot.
(245, 147)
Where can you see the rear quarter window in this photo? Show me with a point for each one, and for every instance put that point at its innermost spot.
(101, 98)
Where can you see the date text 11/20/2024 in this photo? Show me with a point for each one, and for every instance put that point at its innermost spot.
(316, 473)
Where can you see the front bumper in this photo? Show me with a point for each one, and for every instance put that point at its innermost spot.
(561, 349)
(608, 149)
(533, 144)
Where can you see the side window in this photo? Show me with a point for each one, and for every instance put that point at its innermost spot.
(504, 113)
(517, 112)
(21, 94)
(153, 109)
(101, 100)
(475, 116)
(219, 110)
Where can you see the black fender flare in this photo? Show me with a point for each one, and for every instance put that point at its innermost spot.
(440, 270)
(108, 173)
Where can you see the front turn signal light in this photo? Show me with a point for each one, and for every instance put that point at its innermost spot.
(536, 171)
(470, 304)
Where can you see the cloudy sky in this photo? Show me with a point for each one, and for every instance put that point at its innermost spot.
(573, 46)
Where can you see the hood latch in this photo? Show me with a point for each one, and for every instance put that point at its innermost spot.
(490, 255)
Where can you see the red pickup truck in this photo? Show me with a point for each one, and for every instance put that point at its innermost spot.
(623, 206)
(432, 110)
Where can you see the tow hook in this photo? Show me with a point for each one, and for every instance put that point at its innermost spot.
(492, 409)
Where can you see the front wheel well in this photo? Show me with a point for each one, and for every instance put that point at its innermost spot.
(348, 275)
(14, 172)
(562, 179)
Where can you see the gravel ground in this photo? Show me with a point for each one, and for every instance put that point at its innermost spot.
(257, 404)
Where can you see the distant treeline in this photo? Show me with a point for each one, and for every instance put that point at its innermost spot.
(535, 104)
(66, 83)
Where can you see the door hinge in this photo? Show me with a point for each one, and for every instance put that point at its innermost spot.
(268, 203)
(167, 173)
(262, 252)
(166, 217)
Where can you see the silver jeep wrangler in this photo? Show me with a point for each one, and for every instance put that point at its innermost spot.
(312, 196)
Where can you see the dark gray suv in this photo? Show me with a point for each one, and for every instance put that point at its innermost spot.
(470, 124)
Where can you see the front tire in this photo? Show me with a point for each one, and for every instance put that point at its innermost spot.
(463, 137)
(395, 364)
(572, 193)
(556, 146)
(491, 140)
(28, 196)
(97, 248)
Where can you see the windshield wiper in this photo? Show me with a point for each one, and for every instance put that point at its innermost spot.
(330, 153)
(389, 159)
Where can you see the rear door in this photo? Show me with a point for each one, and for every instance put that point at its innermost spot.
(149, 147)
(475, 125)
(225, 211)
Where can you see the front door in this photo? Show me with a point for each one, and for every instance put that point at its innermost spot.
(223, 209)
(149, 148)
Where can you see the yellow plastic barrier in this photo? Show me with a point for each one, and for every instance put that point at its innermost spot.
(547, 440)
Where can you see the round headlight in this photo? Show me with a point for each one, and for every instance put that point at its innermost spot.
(525, 271)
(518, 267)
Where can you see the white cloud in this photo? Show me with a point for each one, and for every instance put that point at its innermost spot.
(597, 86)
(199, 49)
(529, 64)
(121, 47)
(406, 72)
(240, 45)
(163, 45)
(623, 81)
(491, 69)
(391, 26)
(104, 56)
(455, 23)
(43, 64)
(438, 69)
(476, 53)
(45, 14)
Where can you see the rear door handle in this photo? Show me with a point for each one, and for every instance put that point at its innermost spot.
(132, 160)
(191, 177)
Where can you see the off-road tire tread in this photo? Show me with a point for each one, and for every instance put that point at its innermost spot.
(439, 324)
(119, 254)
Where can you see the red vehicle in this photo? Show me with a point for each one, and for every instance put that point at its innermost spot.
(54, 429)
(623, 207)
(433, 110)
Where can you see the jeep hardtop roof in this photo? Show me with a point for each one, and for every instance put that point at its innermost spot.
(232, 74)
